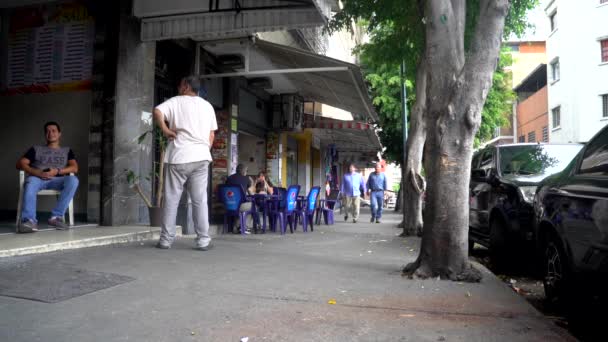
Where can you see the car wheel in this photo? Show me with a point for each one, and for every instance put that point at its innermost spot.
(556, 273)
(498, 243)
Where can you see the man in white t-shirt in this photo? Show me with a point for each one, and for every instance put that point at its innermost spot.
(188, 121)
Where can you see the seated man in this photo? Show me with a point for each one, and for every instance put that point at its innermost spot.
(240, 178)
(262, 186)
(47, 167)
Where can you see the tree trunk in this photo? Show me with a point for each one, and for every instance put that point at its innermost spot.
(456, 91)
(414, 183)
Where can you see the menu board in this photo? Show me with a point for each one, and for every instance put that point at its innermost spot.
(50, 48)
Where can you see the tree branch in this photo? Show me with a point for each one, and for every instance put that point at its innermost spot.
(482, 60)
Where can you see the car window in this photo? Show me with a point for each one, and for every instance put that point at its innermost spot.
(595, 159)
(486, 159)
(475, 162)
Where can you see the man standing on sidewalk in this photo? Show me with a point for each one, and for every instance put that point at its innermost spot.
(188, 121)
(351, 189)
(376, 185)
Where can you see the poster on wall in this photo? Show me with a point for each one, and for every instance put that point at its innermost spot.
(50, 48)
(234, 152)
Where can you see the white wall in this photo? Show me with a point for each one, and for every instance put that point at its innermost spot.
(583, 78)
(252, 153)
(23, 119)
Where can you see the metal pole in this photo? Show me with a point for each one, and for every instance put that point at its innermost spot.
(405, 129)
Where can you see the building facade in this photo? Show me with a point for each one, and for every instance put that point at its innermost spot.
(577, 69)
(100, 68)
(531, 110)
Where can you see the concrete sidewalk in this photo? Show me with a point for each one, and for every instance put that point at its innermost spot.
(274, 288)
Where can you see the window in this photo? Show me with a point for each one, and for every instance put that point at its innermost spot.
(605, 104)
(532, 137)
(553, 21)
(475, 161)
(486, 159)
(595, 159)
(555, 70)
(545, 134)
(515, 47)
(604, 48)
(522, 138)
(556, 115)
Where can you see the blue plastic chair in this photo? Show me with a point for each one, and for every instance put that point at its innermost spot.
(283, 209)
(232, 196)
(307, 207)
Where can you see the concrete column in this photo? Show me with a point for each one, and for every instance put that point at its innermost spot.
(134, 103)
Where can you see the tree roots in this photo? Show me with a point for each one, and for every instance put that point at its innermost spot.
(420, 270)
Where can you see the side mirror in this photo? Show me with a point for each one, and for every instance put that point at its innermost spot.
(479, 175)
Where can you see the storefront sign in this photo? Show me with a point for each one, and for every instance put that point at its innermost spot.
(234, 125)
(50, 48)
(235, 111)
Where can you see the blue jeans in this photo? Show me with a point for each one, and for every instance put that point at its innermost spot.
(376, 202)
(66, 184)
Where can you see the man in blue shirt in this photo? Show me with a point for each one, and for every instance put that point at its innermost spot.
(351, 189)
(376, 185)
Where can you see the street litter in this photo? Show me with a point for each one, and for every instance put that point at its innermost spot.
(376, 241)
(407, 315)
(245, 339)
(369, 251)
(331, 301)
(468, 294)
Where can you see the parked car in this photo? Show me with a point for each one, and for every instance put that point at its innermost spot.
(503, 183)
(572, 223)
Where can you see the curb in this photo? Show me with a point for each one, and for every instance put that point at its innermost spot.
(84, 243)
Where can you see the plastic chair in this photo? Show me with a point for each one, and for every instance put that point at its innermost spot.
(55, 193)
(327, 206)
(232, 196)
(307, 207)
(284, 213)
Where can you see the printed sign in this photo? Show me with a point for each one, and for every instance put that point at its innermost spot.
(50, 48)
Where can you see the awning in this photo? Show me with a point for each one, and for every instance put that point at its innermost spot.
(351, 137)
(196, 19)
(315, 77)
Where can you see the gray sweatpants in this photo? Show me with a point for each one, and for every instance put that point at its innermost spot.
(195, 176)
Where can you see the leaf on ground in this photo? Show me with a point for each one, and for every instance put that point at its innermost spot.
(331, 302)
(407, 315)
(468, 294)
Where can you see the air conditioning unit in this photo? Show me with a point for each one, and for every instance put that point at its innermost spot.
(287, 112)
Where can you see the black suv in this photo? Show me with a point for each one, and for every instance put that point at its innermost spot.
(503, 184)
(572, 223)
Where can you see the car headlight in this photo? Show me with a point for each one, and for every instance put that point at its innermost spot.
(527, 193)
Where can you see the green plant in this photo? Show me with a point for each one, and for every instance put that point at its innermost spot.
(158, 169)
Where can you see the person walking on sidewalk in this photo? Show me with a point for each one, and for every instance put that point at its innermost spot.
(189, 122)
(47, 167)
(351, 189)
(376, 185)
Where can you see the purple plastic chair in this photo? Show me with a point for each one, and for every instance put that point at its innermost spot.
(307, 207)
(283, 209)
(327, 207)
(232, 196)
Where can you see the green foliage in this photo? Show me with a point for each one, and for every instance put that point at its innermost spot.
(396, 34)
(499, 102)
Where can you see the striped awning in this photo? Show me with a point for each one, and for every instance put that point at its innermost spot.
(202, 20)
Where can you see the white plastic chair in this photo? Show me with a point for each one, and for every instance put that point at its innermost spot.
(55, 193)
